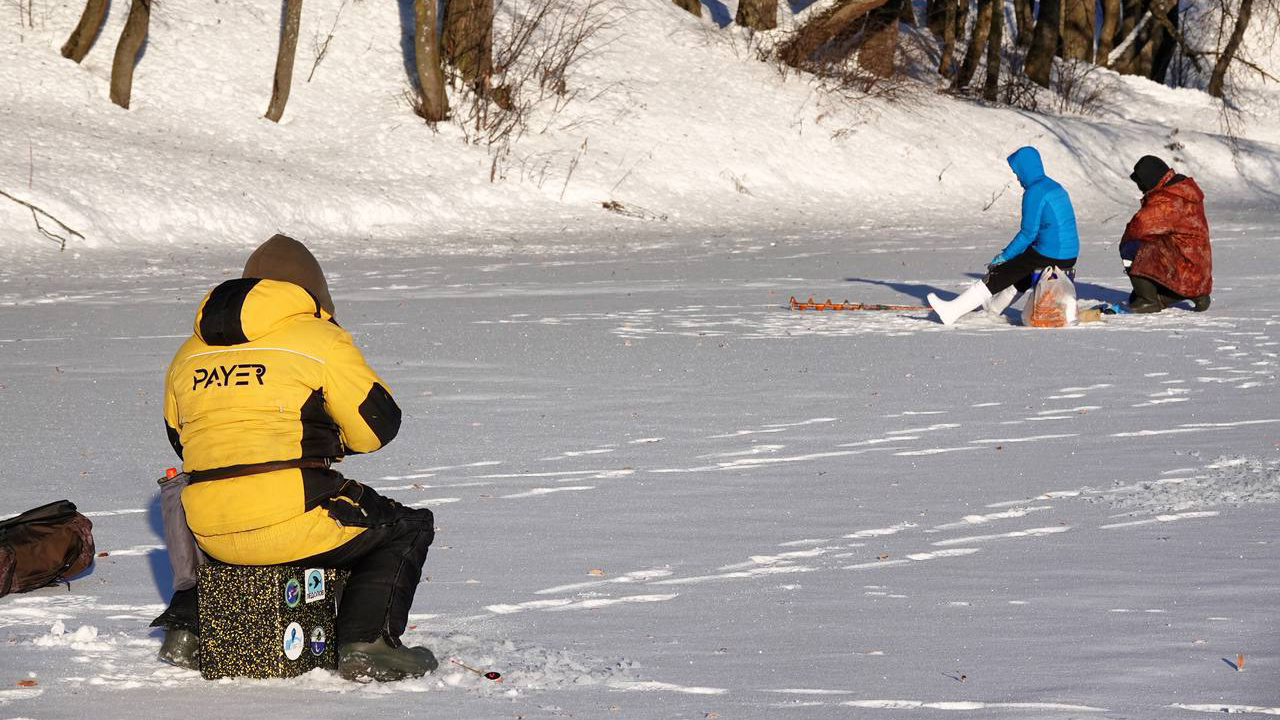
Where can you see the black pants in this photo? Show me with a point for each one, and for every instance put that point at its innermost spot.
(1017, 271)
(386, 564)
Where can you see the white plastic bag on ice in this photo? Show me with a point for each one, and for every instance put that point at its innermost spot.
(1052, 302)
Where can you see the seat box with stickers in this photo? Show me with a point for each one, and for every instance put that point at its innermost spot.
(267, 621)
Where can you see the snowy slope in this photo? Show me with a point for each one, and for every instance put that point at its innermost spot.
(674, 118)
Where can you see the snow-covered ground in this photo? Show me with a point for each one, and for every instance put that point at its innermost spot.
(662, 494)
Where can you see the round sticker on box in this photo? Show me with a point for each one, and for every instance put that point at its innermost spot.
(317, 641)
(292, 593)
(293, 642)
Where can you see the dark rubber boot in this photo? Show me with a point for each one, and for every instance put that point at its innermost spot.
(428, 657)
(1145, 297)
(1200, 304)
(181, 648)
(379, 660)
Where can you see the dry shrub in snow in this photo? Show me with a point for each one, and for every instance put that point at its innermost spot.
(536, 46)
(1076, 87)
(27, 14)
(852, 81)
(839, 78)
(1019, 91)
(1080, 88)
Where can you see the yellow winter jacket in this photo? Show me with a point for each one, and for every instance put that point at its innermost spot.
(268, 377)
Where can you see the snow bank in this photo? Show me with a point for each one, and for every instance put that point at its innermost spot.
(675, 119)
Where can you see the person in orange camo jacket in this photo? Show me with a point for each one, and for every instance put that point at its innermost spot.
(1165, 247)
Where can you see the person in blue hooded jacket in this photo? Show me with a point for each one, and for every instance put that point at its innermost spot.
(1046, 236)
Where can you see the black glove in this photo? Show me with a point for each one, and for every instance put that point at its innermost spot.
(357, 505)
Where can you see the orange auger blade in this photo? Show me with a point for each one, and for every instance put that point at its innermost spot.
(846, 305)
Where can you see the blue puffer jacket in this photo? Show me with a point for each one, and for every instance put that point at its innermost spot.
(1048, 221)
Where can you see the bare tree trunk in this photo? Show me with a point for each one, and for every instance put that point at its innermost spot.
(1130, 12)
(131, 40)
(426, 52)
(977, 45)
(1125, 47)
(283, 81)
(1077, 29)
(834, 21)
(1146, 52)
(757, 14)
(1107, 33)
(991, 88)
(1165, 43)
(1024, 14)
(934, 12)
(908, 15)
(1044, 44)
(86, 32)
(938, 15)
(692, 6)
(947, 63)
(1139, 57)
(880, 39)
(468, 40)
(1133, 22)
(1218, 81)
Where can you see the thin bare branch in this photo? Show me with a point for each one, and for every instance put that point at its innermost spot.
(322, 48)
(36, 212)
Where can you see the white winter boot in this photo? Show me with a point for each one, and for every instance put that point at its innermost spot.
(971, 299)
(1001, 300)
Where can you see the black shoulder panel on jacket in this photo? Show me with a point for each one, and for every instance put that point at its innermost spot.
(220, 320)
(319, 431)
(382, 413)
(173, 439)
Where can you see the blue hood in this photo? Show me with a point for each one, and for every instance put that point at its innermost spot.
(1027, 165)
(1048, 223)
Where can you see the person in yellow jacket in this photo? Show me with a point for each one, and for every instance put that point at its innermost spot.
(260, 401)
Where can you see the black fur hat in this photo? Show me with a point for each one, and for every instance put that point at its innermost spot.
(1147, 172)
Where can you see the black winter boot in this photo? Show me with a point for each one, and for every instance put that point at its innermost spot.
(181, 648)
(182, 614)
(380, 660)
(1200, 304)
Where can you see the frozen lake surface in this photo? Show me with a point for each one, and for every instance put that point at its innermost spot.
(662, 494)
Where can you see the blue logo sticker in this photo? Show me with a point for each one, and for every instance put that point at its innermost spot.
(292, 593)
(293, 642)
(315, 584)
(317, 641)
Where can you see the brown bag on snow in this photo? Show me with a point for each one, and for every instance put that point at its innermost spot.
(42, 546)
